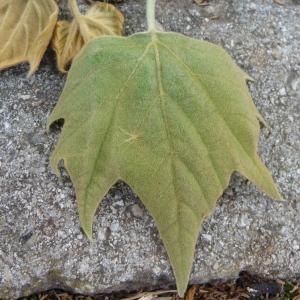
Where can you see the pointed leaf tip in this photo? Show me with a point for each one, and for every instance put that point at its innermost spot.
(87, 229)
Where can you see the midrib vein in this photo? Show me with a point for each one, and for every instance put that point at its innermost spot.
(166, 124)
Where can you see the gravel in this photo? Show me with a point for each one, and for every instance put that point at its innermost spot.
(41, 243)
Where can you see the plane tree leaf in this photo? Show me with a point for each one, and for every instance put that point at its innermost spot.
(66, 42)
(26, 28)
(69, 37)
(169, 115)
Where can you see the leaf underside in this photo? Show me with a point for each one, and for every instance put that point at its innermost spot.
(26, 27)
(69, 37)
(169, 115)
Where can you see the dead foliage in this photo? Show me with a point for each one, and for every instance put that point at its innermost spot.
(245, 287)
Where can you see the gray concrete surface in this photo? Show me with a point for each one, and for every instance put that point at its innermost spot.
(41, 244)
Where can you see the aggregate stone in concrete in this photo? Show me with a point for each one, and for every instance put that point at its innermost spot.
(41, 244)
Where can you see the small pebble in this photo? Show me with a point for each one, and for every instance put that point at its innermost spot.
(137, 211)
(282, 92)
(25, 97)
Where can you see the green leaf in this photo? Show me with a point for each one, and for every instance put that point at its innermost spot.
(169, 115)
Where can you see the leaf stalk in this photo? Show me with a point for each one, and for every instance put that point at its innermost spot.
(151, 15)
(74, 8)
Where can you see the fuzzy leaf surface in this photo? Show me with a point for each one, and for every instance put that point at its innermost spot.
(69, 37)
(26, 28)
(169, 115)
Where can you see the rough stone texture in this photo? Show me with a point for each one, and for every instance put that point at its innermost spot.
(41, 244)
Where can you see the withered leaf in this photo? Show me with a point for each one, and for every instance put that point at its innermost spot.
(26, 28)
(69, 37)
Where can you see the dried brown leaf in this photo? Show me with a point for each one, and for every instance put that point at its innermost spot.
(69, 37)
(190, 294)
(67, 42)
(147, 294)
(26, 28)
